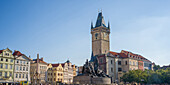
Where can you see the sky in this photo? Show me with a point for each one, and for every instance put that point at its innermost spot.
(60, 29)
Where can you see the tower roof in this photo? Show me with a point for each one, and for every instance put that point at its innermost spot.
(100, 20)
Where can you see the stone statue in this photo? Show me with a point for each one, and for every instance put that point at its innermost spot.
(91, 68)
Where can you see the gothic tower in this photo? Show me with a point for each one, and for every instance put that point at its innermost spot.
(100, 36)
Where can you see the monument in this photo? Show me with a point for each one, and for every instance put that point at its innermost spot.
(91, 74)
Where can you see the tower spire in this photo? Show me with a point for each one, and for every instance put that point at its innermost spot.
(108, 25)
(91, 25)
(100, 20)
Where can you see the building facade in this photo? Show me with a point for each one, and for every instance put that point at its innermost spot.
(21, 67)
(6, 66)
(55, 74)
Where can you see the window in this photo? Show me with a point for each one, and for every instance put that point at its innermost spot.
(20, 62)
(11, 60)
(5, 74)
(27, 69)
(1, 59)
(0, 73)
(27, 62)
(136, 63)
(119, 62)
(54, 79)
(26, 75)
(24, 62)
(1, 65)
(16, 76)
(130, 62)
(23, 68)
(19, 75)
(20, 68)
(6, 60)
(7, 54)
(16, 67)
(133, 63)
(119, 69)
(10, 73)
(54, 74)
(111, 62)
(17, 61)
(111, 69)
(23, 76)
(126, 62)
(6, 66)
(10, 66)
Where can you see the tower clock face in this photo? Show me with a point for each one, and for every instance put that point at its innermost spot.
(96, 35)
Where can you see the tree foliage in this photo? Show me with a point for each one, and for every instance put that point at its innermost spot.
(158, 76)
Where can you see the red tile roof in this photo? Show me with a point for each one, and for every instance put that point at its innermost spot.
(55, 65)
(122, 55)
(62, 64)
(132, 54)
(1, 51)
(114, 53)
(18, 53)
(41, 61)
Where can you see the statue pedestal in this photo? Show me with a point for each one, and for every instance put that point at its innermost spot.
(83, 79)
(101, 80)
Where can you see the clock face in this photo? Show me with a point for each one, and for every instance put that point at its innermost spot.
(96, 35)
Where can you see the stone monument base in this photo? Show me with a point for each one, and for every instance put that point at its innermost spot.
(89, 80)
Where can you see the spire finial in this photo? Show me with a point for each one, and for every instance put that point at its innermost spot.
(99, 10)
(108, 25)
(91, 25)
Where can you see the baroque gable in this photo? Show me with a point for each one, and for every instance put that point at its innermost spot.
(23, 57)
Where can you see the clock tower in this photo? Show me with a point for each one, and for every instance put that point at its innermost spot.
(100, 36)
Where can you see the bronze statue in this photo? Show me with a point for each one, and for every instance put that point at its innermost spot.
(91, 68)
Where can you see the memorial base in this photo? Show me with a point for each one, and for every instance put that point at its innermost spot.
(91, 80)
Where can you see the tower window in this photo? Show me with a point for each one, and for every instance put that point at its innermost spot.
(111, 69)
(119, 62)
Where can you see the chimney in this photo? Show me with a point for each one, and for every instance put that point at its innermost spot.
(37, 58)
(42, 58)
(29, 56)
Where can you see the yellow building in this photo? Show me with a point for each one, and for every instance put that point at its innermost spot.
(74, 70)
(55, 73)
(6, 66)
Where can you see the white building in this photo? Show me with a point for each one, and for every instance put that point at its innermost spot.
(68, 72)
(21, 67)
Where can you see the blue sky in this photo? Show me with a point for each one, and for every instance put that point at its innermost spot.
(60, 30)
